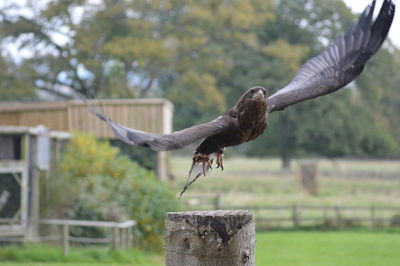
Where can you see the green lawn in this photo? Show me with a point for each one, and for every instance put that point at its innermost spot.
(328, 249)
(79, 264)
(291, 248)
(45, 254)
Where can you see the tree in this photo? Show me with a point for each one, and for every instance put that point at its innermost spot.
(378, 89)
(322, 126)
(12, 86)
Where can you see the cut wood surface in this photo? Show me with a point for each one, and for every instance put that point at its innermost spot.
(215, 238)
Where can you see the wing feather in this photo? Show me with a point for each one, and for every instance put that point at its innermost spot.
(340, 63)
(164, 142)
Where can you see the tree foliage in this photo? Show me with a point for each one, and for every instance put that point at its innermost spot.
(12, 85)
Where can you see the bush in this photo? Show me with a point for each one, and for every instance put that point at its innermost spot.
(109, 186)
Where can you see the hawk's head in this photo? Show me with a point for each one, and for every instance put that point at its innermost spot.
(257, 93)
(253, 98)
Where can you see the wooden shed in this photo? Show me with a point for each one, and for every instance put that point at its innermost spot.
(151, 115)
(26, 153)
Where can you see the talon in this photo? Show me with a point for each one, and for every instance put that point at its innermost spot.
(220, 156)
(206, 163)
(204, 159)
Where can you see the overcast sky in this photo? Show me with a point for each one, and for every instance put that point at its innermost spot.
(358, 6)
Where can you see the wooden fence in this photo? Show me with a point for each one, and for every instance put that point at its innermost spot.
(122, 233)
(301, 215)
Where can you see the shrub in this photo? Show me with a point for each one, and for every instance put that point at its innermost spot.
(109, 186)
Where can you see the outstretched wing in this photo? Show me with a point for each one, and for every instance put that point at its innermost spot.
(340, 63)
(163, 142)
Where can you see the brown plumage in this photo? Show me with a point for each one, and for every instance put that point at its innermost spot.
(338, 65)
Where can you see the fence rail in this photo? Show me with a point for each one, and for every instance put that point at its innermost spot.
(122, 233)
(299, 215)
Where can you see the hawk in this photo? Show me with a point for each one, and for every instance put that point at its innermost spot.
(335, 67)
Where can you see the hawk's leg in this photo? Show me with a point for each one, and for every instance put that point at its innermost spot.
(204, 159)
(220, 156)
(206, 164)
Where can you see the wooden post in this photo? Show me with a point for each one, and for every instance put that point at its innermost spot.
(338, 218)
(65, 239)
(373, 220)
(130, 237)
(115, 240)
(295, 216)
(212, 238)
(162, 166)
(124, 238)
(309, 178)
(217, 201)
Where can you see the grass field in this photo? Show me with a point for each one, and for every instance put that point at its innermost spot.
(328, 249)
(272, 249)
(44, 254)
(248, 181)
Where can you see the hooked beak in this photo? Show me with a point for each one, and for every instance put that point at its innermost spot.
(258, 95)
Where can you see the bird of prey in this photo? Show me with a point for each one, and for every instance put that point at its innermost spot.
(338, 65)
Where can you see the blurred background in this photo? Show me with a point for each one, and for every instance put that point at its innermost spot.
(322, 182)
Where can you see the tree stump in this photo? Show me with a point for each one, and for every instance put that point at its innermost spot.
(210, 238)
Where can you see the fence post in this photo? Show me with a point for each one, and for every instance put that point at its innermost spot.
(373, 221)
(65, 239)
(217, 202)
(121, 238)
(295, 216)
(309, 178)
(124, 242)
(115, 240)
(215, 238)
(338, 218)
(130, 237)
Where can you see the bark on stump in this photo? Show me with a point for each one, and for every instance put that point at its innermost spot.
(210, 238)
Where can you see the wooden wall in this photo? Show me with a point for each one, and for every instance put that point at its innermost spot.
(151, 115)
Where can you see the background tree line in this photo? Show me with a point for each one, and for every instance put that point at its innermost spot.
(202, 55)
